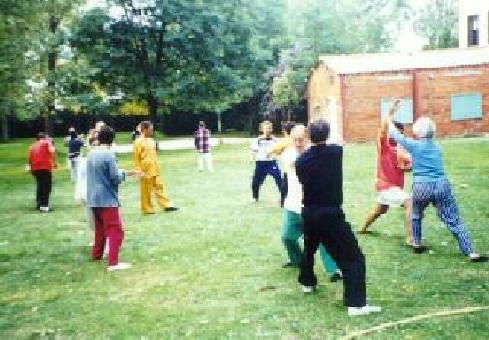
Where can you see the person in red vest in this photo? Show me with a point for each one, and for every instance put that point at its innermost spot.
(42, 162)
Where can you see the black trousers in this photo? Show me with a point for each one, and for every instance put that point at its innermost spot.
(285, 189)
(322, 225)
(43, 187)
(262, 170)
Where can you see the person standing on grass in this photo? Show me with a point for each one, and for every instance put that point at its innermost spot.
(431, 186)
(74, 150)
(293, 227)
(103, 179)
(278, 149)
(392, 162)
(202, 142)
(42, 162)
(146, 160)
(264, 164)
(320, 171)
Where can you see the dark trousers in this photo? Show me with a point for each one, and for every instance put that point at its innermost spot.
(323, 226)
(285, 189)
(43, 187)
(262, 170)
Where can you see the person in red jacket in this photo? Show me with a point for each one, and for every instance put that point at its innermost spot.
(42, 161)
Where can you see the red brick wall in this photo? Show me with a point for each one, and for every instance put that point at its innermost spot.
(437, 87)
(363, 94)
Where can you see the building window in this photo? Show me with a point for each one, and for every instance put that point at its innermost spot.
(473, 30)
(466, 106)
(405, 113)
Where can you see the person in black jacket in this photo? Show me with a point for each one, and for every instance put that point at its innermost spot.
(320, 171)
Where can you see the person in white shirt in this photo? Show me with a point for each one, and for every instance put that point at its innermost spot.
(292, 228)
(265, 164)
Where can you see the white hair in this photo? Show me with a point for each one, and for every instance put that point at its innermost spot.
(298, 130)
(424, 127)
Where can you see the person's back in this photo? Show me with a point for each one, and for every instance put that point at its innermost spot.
(427, 160)
(103, 178)
(41, 155)
(320, 170)
(74, 146)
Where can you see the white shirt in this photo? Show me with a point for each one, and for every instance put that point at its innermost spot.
(293, 201)
(261, 148)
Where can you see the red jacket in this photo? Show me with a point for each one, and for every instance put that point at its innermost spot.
(42, 155)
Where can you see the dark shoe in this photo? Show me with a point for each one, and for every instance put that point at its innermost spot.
(170, 209)
(419, 249)
(335, 277)
(290, 265)
(479, 259)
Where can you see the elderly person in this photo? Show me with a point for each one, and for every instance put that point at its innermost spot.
(431, 185)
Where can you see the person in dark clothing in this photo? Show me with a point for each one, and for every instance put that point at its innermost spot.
(320, 171)
(75, 144)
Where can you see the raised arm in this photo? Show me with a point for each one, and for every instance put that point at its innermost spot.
(407, 143)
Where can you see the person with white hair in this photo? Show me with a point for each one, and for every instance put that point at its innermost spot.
(431, 185)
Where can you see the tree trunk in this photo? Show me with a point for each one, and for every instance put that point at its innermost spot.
(5, 128)
(52, 56)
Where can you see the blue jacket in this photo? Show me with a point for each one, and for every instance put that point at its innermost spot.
(426, 154)
(103, 179)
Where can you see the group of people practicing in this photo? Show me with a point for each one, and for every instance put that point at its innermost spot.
(310, 186)
(97, 178)
(313, 198)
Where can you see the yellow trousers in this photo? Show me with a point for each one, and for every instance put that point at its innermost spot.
(148, 186)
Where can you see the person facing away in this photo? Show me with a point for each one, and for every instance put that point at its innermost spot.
(431, 186)
(265, 165)
(292, 227)
(392, 162)
(42, 162)
(103, 180)
(75, 145)
(146, 160)
(320, 171)
(202, 142)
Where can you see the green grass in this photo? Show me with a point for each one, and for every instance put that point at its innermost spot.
(213, 270)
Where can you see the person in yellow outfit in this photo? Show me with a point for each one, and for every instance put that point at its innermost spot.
(146, 160)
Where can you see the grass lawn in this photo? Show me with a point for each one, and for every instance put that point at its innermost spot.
(213, 270)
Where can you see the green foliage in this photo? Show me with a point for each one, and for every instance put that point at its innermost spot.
(318, 27)
(438, 22)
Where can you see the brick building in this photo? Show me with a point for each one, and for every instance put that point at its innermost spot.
(353, 91)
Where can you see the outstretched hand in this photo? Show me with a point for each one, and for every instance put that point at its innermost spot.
(135, 173)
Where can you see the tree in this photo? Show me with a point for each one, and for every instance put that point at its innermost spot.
(438, 22)
(187, 55)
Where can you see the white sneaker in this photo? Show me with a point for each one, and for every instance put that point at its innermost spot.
(365, 310)
(119, 266)
(308, 289)
(44, 209)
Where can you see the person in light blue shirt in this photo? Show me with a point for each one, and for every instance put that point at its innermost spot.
(103, 179)
(431, 185)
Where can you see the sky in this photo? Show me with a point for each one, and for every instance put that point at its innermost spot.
(408, 41)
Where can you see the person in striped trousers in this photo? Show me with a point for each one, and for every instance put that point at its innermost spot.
(431, 185)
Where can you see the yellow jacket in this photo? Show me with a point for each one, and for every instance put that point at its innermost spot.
(145, 156)
(280, 147)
